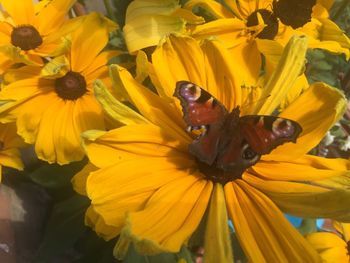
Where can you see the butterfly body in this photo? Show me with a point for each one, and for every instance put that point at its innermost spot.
(230, 142)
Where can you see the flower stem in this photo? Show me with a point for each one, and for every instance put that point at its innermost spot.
(109, 9)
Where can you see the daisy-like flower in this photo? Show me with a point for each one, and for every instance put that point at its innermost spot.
(10, 143)
(33, 31)
(145, 186)
(245, 25)
(52, 107)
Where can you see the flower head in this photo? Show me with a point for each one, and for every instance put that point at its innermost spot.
(53, 105)
(163, 191)
(34, 31)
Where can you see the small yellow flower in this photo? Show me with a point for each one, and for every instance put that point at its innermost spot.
(10, 143)
(31, 31)
(52, 107)
(245, 26)
(145, 186)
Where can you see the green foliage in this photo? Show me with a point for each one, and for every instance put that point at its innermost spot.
(65, 226)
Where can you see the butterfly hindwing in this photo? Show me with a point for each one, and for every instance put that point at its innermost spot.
(264, 133)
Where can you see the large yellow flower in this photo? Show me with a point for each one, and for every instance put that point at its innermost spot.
(145, 185)
(31, 31)
(10, 143)
(244, 26)
(53, 107)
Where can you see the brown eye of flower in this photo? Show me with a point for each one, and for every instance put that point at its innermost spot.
(1, 145)
(26, 37)
(71, 86)
(271, 29)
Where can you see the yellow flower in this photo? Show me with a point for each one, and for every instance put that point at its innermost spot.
(54, 106)
(331, 247)
(244, 26)
(10, 143)
(31, 31)
(145, 185)
(147, 21)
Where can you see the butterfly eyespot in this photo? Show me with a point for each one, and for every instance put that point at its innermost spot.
(248, 153)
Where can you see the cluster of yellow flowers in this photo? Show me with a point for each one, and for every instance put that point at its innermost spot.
(60, 95)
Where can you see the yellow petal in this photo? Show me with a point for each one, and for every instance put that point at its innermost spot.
(83, 43)
(52, 16)
(182, 58)
(133, 141)
(330, 246)
(326, 3)
(118, 111)
(263, 231)
(97, 223)
(147, 22)
(325, 34)
(79, 180)
(303, 199)
(284, 76)
(218, 10)
(169, 217)
(217, 244)
(294, 171)
(326, 106)
(23, 15)
(56, 67)
(155, 109)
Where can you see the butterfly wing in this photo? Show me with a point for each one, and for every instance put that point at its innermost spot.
(201, 111)
(264, 133)
(254, 136)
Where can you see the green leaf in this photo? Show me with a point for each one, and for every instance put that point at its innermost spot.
(65, 226)
(55, 176)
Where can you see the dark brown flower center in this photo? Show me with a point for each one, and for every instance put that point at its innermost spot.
(294, 13)
(1, 145)
(271, 28)
(217, 175)
(26, 37)
(71, 86)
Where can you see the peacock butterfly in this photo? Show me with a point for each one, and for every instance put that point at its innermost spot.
(227, 141)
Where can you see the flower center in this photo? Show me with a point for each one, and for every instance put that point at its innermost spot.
(271, 28)
(1, 145)
(294, 13)
(26, 37)
(71, 86)
(217, 175)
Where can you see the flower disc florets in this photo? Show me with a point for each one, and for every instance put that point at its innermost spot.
(26, 37)
(71, 86)
(271, 21)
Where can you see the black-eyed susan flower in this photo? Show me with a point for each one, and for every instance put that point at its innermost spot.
(31, 31)
(242, 25)
(10, 143)
(145, 186)
(52, 107)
